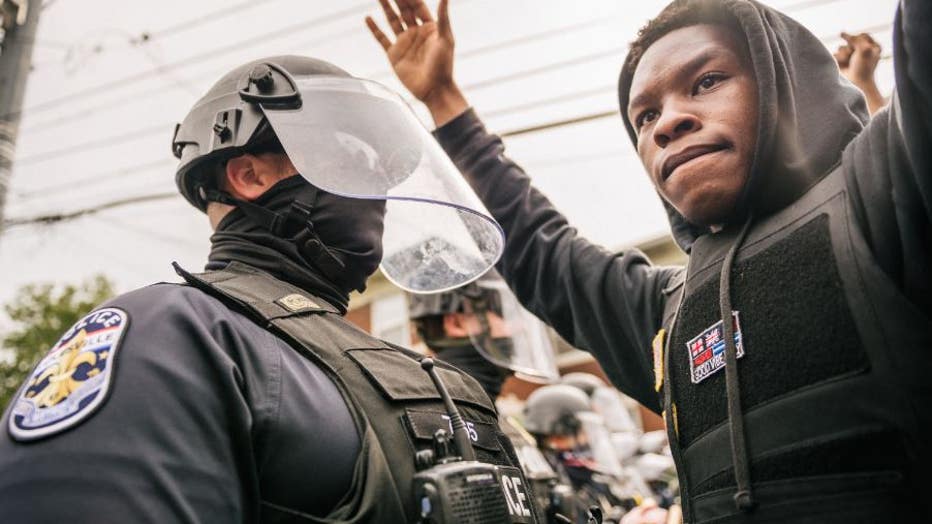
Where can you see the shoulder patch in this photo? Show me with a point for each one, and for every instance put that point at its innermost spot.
(72, 380)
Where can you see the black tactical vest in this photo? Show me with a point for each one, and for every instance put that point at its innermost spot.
(835, 376)
(394, 404)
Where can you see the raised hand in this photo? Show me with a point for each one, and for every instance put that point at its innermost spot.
(422, 54)
(858, 60)
(859, 57)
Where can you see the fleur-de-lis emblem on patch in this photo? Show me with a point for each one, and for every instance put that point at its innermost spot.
(60, 375)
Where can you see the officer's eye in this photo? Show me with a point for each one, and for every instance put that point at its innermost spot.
(645, 117)
(707, 82)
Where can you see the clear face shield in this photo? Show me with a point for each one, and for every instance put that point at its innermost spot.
(594, 437)
(358, 139)
(609, 403)
(506, 334)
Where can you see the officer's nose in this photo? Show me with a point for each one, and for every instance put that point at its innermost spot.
(674, 124)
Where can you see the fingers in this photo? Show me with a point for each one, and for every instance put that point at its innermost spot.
(420, 10)
(378, 34)
(865, 37)
(843, 55)
(407, 13)
(861, 42)
(392, 17)
(443, 19)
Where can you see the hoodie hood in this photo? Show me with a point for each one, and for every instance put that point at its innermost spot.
(807, 111)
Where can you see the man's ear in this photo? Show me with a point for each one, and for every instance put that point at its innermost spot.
(248, 177)
(454, 325)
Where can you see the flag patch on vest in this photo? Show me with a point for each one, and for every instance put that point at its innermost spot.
(72, 380)
(707, 350)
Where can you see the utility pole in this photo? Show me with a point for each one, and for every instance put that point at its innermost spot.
(20, 19)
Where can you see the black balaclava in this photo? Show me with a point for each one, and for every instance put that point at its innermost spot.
(807, 114)
(333, 257)
(464, 355)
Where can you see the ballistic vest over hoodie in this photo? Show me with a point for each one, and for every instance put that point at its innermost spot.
(829, 291)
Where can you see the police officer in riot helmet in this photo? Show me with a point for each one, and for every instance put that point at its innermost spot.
(481, 329)
(242, 394)
(573, 439)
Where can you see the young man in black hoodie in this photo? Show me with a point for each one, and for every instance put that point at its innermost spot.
(791, 358)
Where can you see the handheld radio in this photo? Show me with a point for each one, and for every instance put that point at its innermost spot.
(457, 488)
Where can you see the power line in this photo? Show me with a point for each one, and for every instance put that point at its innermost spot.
(559, 123)
(203, 19)
(161, 163)
(105, 87)
(150, 130)
(135, 169)
(165, 128)
(478, 51)
(60, 217)
(110, 104)
(575, 159)
(518, 108)
(136, 134)
(504, 44)
(126, 136)
(147, 37)
(533, 71)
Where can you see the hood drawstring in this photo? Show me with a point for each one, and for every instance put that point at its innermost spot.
(739, 451)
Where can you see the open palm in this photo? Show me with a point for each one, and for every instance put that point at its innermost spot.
(422, 53)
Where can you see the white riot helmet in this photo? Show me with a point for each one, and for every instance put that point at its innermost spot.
(553, 410)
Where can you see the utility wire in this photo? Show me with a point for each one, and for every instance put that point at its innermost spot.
(559, 123)
(163, 69)
(133, 135)
(60, 217)
(152, 165)
(97, 143)
(478, 51)
(575, 95)
(166, 127)
(108, 86)
(203, 19)
(475, 86)
(107, 176)
(158, 164)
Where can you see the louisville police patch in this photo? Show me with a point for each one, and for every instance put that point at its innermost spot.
(72, 380)
(707, 351)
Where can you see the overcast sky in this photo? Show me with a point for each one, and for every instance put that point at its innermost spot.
(102, 102)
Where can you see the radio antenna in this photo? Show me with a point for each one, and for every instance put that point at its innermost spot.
(460, 435)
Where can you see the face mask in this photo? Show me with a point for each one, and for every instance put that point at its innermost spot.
(340, 238)
(351, 228)
(468, 359)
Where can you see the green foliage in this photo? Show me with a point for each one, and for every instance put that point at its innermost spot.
(42, 313)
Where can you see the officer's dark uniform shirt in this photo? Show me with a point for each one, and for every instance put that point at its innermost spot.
(243, 396)
(832, 285)
(208, 417)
